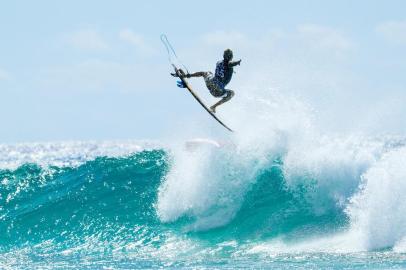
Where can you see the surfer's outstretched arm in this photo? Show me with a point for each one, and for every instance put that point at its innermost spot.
(235, 63)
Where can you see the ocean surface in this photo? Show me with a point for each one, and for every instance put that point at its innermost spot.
(330, 203)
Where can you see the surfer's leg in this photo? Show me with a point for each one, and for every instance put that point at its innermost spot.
(227, 97)
(189, 75)
(197, 74)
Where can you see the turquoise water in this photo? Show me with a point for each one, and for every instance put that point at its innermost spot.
(215, 207)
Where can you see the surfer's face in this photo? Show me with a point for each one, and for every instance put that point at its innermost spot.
(228, 55)
(228, 58)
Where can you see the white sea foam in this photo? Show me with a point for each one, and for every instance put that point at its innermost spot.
(333, 165)
(378, 212)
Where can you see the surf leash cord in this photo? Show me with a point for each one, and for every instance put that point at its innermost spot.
(171, 52)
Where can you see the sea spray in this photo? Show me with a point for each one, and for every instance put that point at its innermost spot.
(378, 211)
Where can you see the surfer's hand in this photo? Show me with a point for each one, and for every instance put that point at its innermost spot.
(235, 63)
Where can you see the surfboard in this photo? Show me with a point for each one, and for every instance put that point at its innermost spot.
(189, 88)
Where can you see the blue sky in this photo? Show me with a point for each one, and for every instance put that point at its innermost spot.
(79, 70)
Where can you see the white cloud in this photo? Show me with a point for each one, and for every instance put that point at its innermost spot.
(315, 45)
(393, 31)
(4, 75)
(135, 39)
(87, 40)
(304, 36)
(89, 75)
(131, 37)
(324, 37)
(223, 38)
(95, 75)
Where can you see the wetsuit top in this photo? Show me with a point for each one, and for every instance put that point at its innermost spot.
(223, 73)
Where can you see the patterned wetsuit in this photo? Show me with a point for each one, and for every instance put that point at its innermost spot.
(222, 77)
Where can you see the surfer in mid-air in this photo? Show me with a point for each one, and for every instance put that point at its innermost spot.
(216, 83)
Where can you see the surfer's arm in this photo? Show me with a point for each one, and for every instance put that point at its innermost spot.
(235, 63)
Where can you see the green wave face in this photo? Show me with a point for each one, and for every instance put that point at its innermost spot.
(68, 205)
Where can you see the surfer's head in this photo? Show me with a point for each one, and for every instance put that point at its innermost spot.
(228, 55)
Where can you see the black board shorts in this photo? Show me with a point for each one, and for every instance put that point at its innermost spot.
(215, 89)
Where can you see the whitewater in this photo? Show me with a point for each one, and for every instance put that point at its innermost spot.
(278, 193)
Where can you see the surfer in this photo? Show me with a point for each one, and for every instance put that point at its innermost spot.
(216, 83)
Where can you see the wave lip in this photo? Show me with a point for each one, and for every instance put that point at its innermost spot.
(66, 154)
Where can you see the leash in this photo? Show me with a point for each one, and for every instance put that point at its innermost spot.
(171, 52)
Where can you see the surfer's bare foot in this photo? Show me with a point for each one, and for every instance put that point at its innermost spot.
(182, 73)
(213, 109)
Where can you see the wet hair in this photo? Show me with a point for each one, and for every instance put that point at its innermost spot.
(228, 55)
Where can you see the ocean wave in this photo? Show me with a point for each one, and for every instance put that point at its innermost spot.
(206, 200)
